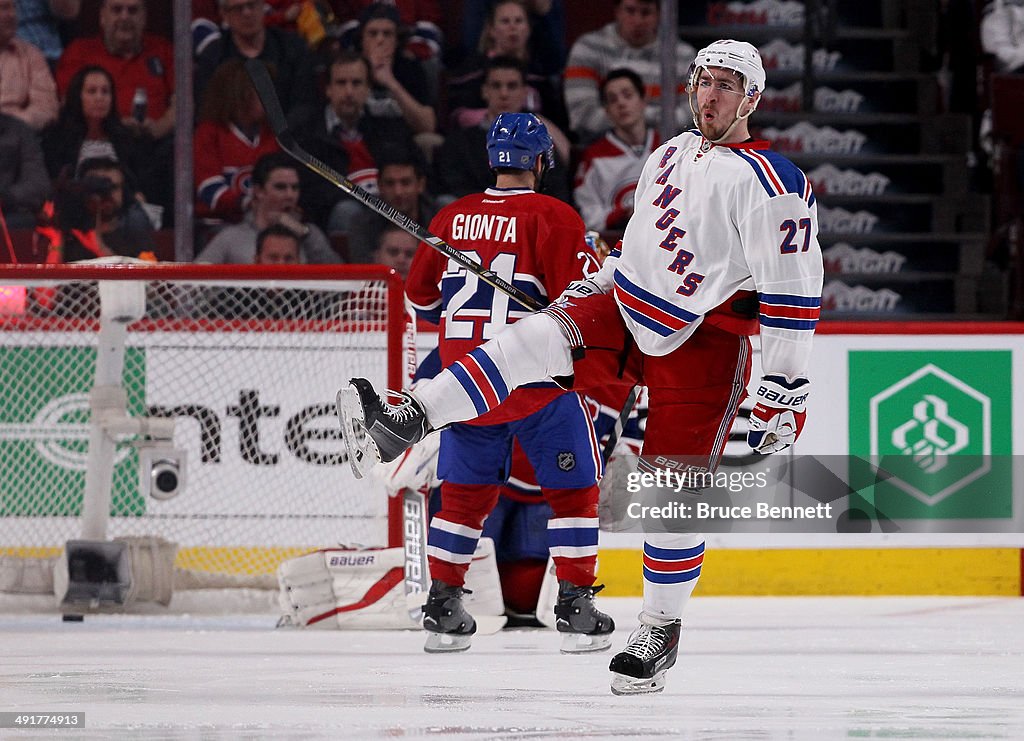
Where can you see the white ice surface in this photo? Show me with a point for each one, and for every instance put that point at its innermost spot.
(749, 668)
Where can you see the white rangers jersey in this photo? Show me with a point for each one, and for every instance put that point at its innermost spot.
(711, 220)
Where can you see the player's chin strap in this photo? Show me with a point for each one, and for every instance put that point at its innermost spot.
(539, 176)
(691, 94)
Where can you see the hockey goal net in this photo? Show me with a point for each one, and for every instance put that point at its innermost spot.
(242, 361)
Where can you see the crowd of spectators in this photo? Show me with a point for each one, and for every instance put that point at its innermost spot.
(371, 87)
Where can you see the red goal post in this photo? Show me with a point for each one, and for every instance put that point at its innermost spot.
(234, 367)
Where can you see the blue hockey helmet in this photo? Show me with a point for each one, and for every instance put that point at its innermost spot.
(516, 140)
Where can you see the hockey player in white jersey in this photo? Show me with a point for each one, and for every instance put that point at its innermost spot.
(721, 224)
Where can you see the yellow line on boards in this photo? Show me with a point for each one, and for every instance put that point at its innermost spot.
(840, 571)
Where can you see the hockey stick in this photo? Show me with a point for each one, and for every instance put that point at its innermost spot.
(279, 125)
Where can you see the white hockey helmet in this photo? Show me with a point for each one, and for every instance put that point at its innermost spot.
(739, 56)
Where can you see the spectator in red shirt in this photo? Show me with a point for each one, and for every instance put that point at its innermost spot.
(136, 60)
(232, 134)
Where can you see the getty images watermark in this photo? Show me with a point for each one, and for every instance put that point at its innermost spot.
(694, 483)
(813, 494)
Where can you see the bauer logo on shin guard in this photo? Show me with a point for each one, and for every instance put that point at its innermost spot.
(411, 516)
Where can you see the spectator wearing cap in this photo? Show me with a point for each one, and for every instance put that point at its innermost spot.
(247, 36)
(399, 87)
(28, 92)
(346, 136)
(421, 18)
(38, 24)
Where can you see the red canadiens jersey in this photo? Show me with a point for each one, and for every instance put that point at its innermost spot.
(530, 240)
(224, 158)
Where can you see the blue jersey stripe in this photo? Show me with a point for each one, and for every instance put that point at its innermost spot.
(759, 171)
(672, 554)
(780, 323)
(786, 299)
(491, 371)
(646, 321)
(572, 536)
(470, 387)
(678, 577)
(451, 542)
(649, 298)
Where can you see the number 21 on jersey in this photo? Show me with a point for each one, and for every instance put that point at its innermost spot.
(476, 310)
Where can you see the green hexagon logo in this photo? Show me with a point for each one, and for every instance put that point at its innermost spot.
(938, 423)
(913, 427)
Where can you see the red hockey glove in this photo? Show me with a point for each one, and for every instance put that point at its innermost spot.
(778, 416)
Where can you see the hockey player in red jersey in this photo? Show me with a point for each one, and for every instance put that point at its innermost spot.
(719, 219)
(536, 243)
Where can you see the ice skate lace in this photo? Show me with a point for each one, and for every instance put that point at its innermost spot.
(403, 412)
(647, 641)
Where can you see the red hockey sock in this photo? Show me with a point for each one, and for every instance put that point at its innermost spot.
(520, 583)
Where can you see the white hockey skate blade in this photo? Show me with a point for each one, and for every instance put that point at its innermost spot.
(485, 624)
(440, 643)
(625, 685)
(362, 450)
(581, 643)
(443, 643)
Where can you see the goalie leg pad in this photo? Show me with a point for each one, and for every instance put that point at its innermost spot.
(344, 588)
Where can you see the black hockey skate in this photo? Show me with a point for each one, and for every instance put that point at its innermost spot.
(449, 627)
(375, 430)
(640, 668)
(585, 627)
